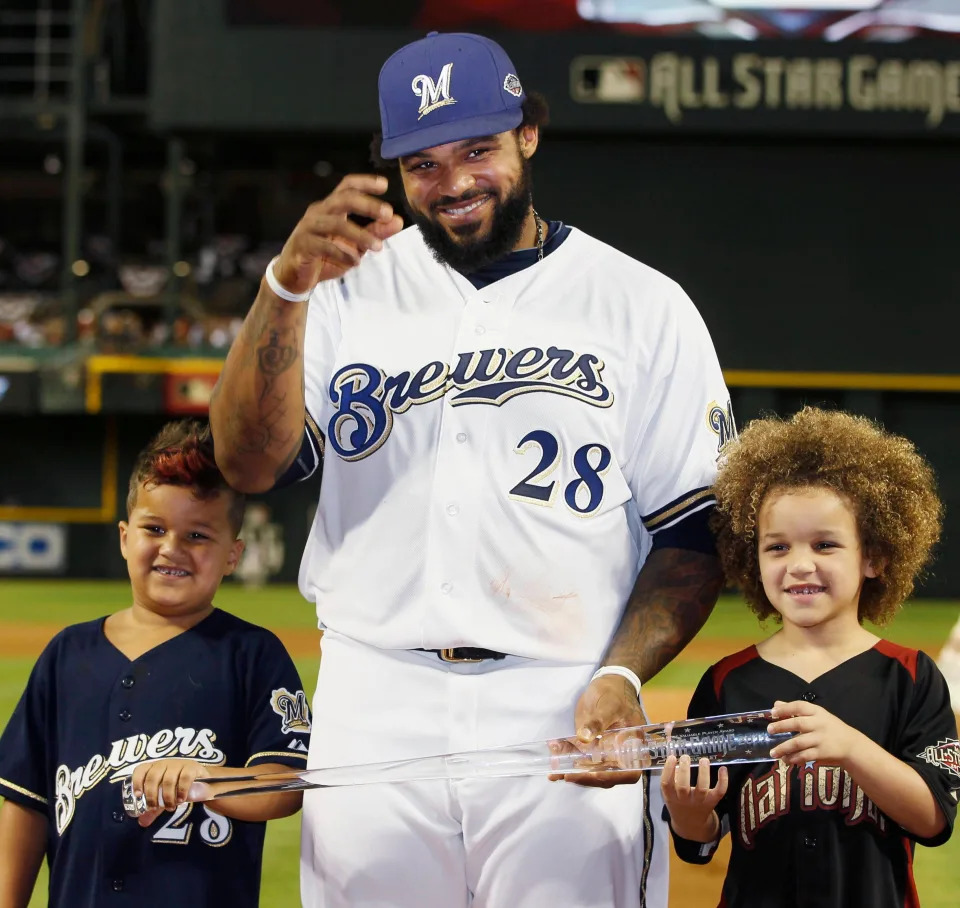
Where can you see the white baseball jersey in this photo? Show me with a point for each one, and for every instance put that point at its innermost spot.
(497, 460)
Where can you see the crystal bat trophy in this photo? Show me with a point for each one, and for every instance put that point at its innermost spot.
(732, 738)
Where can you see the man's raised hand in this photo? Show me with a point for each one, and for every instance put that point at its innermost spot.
(328, 242)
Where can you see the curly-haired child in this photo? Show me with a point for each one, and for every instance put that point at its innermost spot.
(168, 690)
(824, 521)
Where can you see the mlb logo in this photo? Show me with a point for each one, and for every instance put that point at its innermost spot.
(608, 80)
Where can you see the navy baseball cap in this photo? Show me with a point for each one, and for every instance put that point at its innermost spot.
(446, 88)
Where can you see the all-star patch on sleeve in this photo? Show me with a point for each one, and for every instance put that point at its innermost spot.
(928, 737)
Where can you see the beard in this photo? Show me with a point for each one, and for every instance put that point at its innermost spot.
(467, 254)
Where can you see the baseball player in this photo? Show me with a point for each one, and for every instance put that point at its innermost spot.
(824, 521)
(168, 690)
(516, 417)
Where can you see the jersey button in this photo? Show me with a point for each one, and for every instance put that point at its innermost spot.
(479, 330)
(461, 437)
(446, 587)
(127, 682)
(453, 510)
(809, 696)
(125, 715)
(117, 885)
(810, 841)
(117, 816)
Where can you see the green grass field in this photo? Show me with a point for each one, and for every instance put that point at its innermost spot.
(924, 624)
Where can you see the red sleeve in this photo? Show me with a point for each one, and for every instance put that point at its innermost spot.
(727, 665)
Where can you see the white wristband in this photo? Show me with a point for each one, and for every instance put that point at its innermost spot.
(280, 290)
(622, 671)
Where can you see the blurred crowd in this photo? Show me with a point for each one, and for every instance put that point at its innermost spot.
(125, 305)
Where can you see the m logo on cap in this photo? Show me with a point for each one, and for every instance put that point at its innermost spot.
(433, 94)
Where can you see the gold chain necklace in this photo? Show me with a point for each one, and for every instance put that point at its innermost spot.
(536, 217)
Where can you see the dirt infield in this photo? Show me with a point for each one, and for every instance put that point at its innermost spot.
(25, 640)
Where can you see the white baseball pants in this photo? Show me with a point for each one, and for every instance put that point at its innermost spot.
(487, 843)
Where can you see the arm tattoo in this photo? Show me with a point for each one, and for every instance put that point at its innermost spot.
(673, 596)
(278, 354)
(272, 347)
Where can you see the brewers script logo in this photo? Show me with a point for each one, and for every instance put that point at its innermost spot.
(433, 94)
(292, 709)
(366, 398)
(945, 754)
(125, 754)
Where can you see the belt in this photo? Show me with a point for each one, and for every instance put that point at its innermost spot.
(464, 654)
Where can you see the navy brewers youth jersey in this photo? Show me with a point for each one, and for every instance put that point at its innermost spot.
(807, 836)
(499, 459)
(224, 692)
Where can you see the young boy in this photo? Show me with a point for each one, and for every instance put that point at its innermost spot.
(824, 521)
(169, 690)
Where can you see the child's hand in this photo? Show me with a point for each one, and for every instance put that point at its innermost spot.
(171, 779)
(819, 735)
(692, 808)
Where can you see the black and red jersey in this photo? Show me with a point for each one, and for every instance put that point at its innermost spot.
(805, 836)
